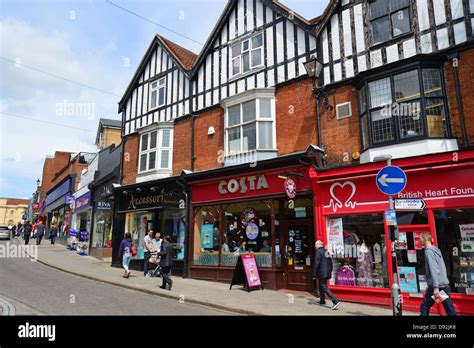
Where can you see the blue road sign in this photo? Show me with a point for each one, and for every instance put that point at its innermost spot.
(391, 180)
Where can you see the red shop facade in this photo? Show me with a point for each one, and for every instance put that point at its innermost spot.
(266, 210)
(349, 211)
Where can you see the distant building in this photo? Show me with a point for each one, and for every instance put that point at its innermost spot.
(12, 210)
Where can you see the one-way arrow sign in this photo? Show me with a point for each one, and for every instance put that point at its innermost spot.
(391, 180)
(409, 204)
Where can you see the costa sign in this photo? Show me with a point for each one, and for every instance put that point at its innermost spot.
(242, 185)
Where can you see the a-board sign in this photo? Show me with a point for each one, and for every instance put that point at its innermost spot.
(246, 272)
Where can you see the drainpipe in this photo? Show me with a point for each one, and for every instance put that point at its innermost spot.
(193, 158)
(454, 60)
(186, 229)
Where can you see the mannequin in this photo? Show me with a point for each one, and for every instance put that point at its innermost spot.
(364, 266)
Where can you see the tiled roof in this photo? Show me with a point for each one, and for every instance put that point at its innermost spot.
(107, 122)
(17, 201)
(184, 56)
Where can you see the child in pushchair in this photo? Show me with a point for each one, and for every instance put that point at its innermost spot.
(154, 265)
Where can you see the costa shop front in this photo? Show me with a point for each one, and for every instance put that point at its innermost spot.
(350, 213)
(265, 210)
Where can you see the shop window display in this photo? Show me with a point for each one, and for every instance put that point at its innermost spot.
(103, 229)
(137, 224)
(357, 243)
(455, 237)
(206, 236)
(247, 229)
(410, 262)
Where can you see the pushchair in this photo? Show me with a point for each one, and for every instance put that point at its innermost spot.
(154, 265)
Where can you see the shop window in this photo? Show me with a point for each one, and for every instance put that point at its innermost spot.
(247, 55)
(455, 237)
(410, 262)
(206, 237)
(155, 150)
(357, 243)
(138, 224)
(250, 126)
(248, 228)
(102, 236)
(389, 19)
(403, 106)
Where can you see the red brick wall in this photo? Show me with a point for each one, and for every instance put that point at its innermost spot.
(466, 78)
(340, 137)
(130, 159)
(182, 145)
(207, 147)
(295, 117)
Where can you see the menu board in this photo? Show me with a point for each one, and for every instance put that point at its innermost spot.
(298, 245)
(246, 272)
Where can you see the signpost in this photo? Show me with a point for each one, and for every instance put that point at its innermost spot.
(410, 204)
(246, 272)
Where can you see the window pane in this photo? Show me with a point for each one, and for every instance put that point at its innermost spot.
(365, 131)
(235, 50)
(246, 62)
(165, 158)
(233, 115)
(236, 66)
(161, 100)
(432, 83)
(265, 108)
(436, 118)
(409, 120)
(165, 141)
(153, 139)
(249, 137)
(145, 142)
(248, 111)
(153, 99)
(162, 82)
(382, 127)
(257, 41)
(153, 85)
(265, 135)
(379, 8)
(401, 22)
(380, 29)
(256, 57)
(407, 86)
(398, 4)
(152, 162)
(380, 93)
(362, 100)
(233, 135)
(143, 162)
(245, 45)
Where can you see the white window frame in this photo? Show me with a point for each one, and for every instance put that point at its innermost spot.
(337, 111)
(240, 100)
(160, 85)
(249, 50)
(157, 150)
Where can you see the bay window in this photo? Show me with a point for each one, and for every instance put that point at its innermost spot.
(404, 106)
(155, 150)
(247, 55)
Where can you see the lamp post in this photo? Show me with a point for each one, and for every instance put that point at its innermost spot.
(313, 69)
(396, 292)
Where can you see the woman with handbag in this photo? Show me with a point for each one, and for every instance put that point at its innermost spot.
(126, 251)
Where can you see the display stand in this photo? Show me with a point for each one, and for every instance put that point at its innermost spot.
(246, 273)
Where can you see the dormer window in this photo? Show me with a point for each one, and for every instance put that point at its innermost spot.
(156, 150)
(157, 93)
(247, 55)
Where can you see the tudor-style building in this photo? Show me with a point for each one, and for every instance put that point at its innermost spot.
(216, 144)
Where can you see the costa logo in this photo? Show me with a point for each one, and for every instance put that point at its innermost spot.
(242, 185)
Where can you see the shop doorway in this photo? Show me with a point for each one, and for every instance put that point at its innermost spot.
(298, 250)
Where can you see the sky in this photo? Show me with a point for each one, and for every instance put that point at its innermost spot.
(64, 64)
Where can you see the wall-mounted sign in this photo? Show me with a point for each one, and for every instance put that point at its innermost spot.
(409, 204)
(83, 202)
(103, 204)
(58, 192)
(242, 185)
(132, 202)
(290, 188)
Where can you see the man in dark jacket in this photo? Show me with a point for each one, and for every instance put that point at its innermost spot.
(39, 232)
(166, 261)
(322, 271)
(436, 278)
(27, 232)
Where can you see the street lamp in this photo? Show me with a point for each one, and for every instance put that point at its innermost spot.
(38, 182)
(313, 69)
(396, 293)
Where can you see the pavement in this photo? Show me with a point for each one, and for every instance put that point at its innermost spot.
(192, 291)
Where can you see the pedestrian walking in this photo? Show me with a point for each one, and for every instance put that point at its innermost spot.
(157, 241)
(166, 262)
(322, 271)
(19, 229)
(27, 228)
(125, 253)
(53, 232)
(39, 232)
(436, 278)
(148, 249)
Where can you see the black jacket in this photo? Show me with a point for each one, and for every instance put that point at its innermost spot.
(166, 254)
(27, 230)
(322, 264)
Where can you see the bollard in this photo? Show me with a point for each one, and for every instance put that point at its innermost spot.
(396, 298)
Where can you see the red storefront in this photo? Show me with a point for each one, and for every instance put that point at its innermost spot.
(269, 207)
(350, 212)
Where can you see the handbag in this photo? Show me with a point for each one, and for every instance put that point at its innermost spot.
(133, 250)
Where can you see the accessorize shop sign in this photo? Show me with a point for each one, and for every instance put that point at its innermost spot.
(140, 202)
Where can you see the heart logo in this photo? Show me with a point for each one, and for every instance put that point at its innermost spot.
(335, 202)
(411, 276)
